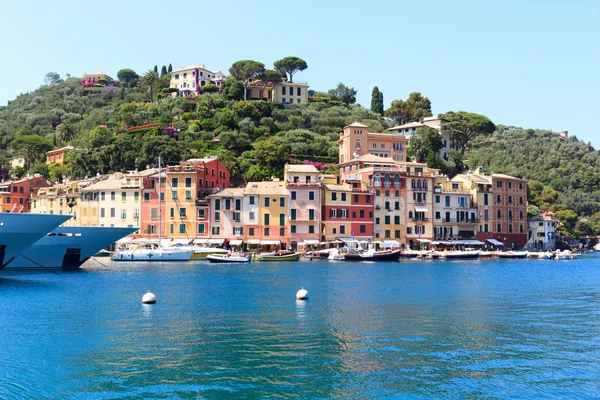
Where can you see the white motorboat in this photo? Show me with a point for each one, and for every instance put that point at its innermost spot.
(151, 251)
(566, 255)
(512, 254)
(334, 255)
(68, 247)
(461, 254)
(228, 258)
(18, 231)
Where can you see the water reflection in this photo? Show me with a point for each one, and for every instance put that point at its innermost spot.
(147, 310)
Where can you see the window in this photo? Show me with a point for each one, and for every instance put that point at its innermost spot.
(485, 199)
(387, 220)
(499, 184)
(357, 145)
(267, 219)
(251, 200)
(281, 219)
(201, 228)
(333, 230)
(102, 196)
(162, 197)
(311, 215)
(216, 230)
(498, 199)
(311, 195)
(298, 91)
(101, 212)
(217, 204)
(396, 205)
(499, 214)
(362, 213)
(217, 216)
(292, 228)
(510, 185)
(281, 231)
(387, 233)
(267, 231)
(266, 202)
(174, 195)
(343, 196)
(172, 228)
(437, 199)
(174, 182)
(250, 231)
(113, 212)
(188, 194)
(282, 202)
(146, 196)
(396, 219)
(408, 230)
(342, 229)
(447, 201)
(182, 213)
(311, 229)
(362, 228)
(251, 215)
(201, 213)
(181, 228)
(374, 145)
(437, 215)
(188, 182)
(283, 90)
(499, 228)
(123, 214)
(368, 199)
(238, 204)
(333, 196)
(293, 194)
(227, 204)
(510, 199)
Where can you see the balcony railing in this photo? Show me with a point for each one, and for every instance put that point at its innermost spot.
(201, 202)
(419, 219)
(306, 184)
(461, 220)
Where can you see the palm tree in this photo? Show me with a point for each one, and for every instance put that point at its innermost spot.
(151, 78)
(66, 132)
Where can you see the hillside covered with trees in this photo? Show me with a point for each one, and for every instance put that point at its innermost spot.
(125, 124)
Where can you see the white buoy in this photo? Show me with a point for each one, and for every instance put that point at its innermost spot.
(149, 298)
(302, 294)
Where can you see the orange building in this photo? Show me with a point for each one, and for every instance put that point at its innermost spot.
(15, 196)
(356, 141)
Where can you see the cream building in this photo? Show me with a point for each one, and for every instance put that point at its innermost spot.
(407, 130)
(455, 214)
(189, 80)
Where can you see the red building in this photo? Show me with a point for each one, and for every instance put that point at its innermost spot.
(15, 196)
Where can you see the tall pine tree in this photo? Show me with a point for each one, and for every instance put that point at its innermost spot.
(170, 68)
(377, 101)
(163, 71)
(156, 69)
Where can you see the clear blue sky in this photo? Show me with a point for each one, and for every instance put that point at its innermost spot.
(534, 65)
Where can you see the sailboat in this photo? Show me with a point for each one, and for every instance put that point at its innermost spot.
(150, 250)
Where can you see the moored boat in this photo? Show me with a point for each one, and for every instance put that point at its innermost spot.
(461, 254)
(372, 255)
(281, 255)
(68, 247)
(512, 254)
(228, 258)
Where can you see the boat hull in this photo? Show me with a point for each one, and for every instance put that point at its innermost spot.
(68, 247)
(228, 260)
(152, 255)
(20, 231)
(287, 257)
(387, 256)
(462, 255)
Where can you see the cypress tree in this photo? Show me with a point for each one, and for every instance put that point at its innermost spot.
(170, 68)
(377, 101)
(163, 71)
(156, 69)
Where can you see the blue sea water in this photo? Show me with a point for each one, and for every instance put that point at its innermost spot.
(409, 329)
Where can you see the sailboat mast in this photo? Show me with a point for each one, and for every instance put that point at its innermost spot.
(159, 201)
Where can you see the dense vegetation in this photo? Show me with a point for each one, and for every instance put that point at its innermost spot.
(126, 124)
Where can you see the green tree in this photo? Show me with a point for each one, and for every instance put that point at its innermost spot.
(235, 141)
(233, 89)
(155, 69)
(18, 172)
(424, 141)
(244, 70)
(151, 78)
(377, 101)
(269, 152)
(343, 93)
(59, 172)
(163, 71)
(290, 65)
(210, 88)
(66, 132)
(51, 78)
(128, 77)
(39, 168)
(464, 126)
(170, 69)
(414, 109)
(31, 147)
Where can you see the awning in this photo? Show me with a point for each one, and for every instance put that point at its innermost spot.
(269, 242)
(254, 241)
(179, 241)
(235, 242)
(495, 242)
(424, 240)
(421, 209)
(200, 241)
(216, 241)
(311, 242)
(391, 243)
(468, 242)
(441, 242)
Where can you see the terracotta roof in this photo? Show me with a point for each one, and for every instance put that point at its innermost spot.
(266, 188)
(373, 159)
(409, 125)
(356, 125)
(301, 168)
(229, 192)
(337, 187)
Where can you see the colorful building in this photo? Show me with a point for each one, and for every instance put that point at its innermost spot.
(455, 215)
(356, 141)
(226, 216)
(188, 186)
(57, 156)
(15, 196)
(190, 80)
(273, 213)
(408, 129)
(304, 191)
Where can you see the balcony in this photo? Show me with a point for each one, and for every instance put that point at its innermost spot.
(363, 190)
(460, 221)
(303, 184)
(419, 188)
(419, 219)
(352, 177)
(201, 202)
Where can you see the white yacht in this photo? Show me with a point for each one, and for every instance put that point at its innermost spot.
(150, 250)
(18, 231)
(68, 247)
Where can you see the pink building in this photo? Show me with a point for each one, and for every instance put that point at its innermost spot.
(304, 191)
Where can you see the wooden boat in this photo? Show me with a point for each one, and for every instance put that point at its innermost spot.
(372, 255)
(228, 258)
(462, 254)
(281, 255)
(512, 254)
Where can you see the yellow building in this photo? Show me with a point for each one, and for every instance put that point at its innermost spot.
(287, 93)
(189, 80)
(180, 202)
(336, 200)
(455, 213)
(62, 199)
(419, 203)
(273, 213)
